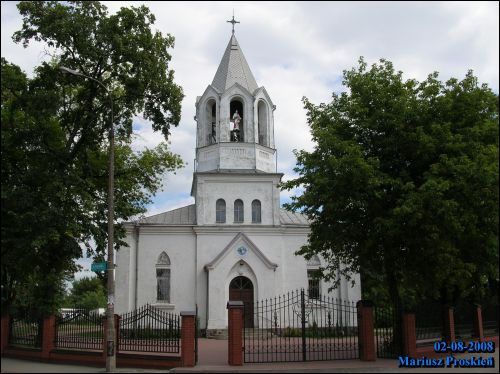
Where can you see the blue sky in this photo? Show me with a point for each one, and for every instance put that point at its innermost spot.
(296, 49)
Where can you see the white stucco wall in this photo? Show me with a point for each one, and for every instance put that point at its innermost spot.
(247, 187)
(124, 286)
(236, 156)
(192, 248)
(180, 245)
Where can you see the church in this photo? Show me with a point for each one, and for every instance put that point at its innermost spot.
(235, 242)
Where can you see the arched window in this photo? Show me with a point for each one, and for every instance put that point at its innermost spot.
(236, 120)
(313, 279)
(263, 123)
(256, 216)
(211, 122)
(163, 278)
(314, 262)
(220, 211)
(238, 211)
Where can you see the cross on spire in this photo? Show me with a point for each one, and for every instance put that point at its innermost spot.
(233, 21)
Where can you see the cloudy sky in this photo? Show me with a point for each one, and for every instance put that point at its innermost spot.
(297, 49)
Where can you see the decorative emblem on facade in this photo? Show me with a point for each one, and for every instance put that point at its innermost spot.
(242, 251)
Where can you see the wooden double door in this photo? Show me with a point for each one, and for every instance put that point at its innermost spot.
(241, 289)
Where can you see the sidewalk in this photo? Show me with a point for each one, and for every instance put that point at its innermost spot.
(213, 359)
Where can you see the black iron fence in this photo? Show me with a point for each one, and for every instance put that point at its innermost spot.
(429, 322)
(388, 332)
(299, 327)
(25, 329)
(80, 329)
(149, 329)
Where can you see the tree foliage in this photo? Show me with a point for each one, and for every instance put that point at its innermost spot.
(402, 184)
(55, 129)
(87, 293)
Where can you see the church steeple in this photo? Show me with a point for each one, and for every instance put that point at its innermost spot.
(234, 68)
(235, 165)
(235, 121)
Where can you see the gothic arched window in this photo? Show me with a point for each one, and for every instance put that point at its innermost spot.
(263, 123)
(238, 211)
(313, 279)
(256, 212)
(211, 122)
(236, 120)
(163, 278)
(314, 262)
(220, 211)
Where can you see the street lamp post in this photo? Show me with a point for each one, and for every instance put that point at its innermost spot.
(110, 344)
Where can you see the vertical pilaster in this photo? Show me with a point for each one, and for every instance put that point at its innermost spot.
(188, 354)
(448, 323)
(409, 335)
(5, 332)
(366, 331)
(478, 323)
(235, 333)
(48, 336)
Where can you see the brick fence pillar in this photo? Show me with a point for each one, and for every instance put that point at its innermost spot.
(478, 323)
(448, 323)
(366, 333)
(235, 333)
(188, 354)
(5, 331)
(48, 336)
(409, 335)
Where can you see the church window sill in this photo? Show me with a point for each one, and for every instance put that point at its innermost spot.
(162, 305)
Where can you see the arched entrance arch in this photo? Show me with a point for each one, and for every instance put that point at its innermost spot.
(241, 289)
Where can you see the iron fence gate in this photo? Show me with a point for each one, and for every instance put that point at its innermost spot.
(80, 328)
(26, 329)
(149, 329)
(300, 327)
(388, 331)
(429, 322)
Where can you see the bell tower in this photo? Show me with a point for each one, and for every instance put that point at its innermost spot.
(235, 135)
(235, 121)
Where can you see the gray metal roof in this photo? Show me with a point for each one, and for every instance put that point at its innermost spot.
(234, 68)
(187, 216)
(181, 216)
(291, 218)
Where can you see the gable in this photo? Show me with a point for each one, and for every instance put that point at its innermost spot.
(237, 241)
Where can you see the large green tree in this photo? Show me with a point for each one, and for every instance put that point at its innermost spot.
(54, 137)
(87, 293)
(402, 184)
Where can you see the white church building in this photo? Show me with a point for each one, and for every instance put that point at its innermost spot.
(235, 242)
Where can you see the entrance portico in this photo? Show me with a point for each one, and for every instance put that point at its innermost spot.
(236, 273)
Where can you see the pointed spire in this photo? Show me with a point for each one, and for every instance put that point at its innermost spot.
(234, 68)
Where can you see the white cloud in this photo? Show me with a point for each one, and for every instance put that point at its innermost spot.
(298, 49)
